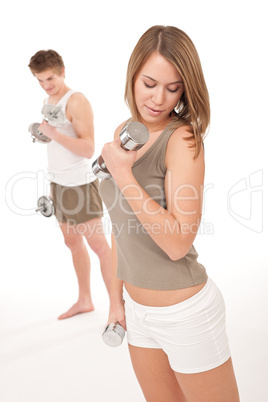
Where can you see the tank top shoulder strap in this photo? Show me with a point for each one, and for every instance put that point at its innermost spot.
(161, 147)
(63, 101)
(164, 137)
(155, 155)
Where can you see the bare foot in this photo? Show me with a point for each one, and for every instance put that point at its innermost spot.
(77, 308)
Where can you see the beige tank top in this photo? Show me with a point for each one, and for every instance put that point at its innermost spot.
(140, 261)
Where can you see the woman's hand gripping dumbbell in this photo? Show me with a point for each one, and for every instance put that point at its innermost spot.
(132, 138)
(53, 115)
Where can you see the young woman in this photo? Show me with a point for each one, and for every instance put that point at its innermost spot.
(174, 314)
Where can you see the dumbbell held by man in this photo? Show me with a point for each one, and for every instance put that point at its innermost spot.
(46, 206)
(132, 137)
(37, 135)
(54, 116)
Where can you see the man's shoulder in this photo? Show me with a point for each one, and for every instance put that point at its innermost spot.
(77, 96)
(77, 99)
(78, 104)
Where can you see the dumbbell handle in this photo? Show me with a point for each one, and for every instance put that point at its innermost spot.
(40, 208)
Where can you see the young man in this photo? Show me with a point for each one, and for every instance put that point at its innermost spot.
(74, 187)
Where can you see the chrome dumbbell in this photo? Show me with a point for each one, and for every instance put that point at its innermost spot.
(45, 205)
(37, 135)
(113, 334)
(54, 116)
(132, 137)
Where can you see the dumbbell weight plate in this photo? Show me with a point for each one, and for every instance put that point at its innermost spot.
(134, 136)
(113, 334)
(37, 135)
(53, 114)
(45, 206)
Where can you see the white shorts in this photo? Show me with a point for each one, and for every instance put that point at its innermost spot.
(192, 333)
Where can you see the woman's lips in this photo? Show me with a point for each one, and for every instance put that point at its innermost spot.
(154, 112)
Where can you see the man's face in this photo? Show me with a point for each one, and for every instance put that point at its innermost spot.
(51, 80)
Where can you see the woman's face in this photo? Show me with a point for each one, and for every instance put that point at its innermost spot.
(157, 90)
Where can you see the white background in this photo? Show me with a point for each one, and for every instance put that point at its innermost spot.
(46, 360)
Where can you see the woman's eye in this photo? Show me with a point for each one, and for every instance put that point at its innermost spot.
(173, 90)
(149, 86)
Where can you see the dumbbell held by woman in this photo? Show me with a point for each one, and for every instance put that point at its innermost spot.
(132, 137)
(113, 334)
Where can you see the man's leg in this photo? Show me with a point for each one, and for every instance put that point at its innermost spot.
(94, 234)
(75, 242)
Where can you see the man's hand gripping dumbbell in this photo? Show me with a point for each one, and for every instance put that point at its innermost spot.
(53, 116)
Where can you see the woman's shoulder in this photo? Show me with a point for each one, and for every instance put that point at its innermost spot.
(180, 136)
(181, 142)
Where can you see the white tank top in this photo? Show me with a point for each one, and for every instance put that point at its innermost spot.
(65, 167)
